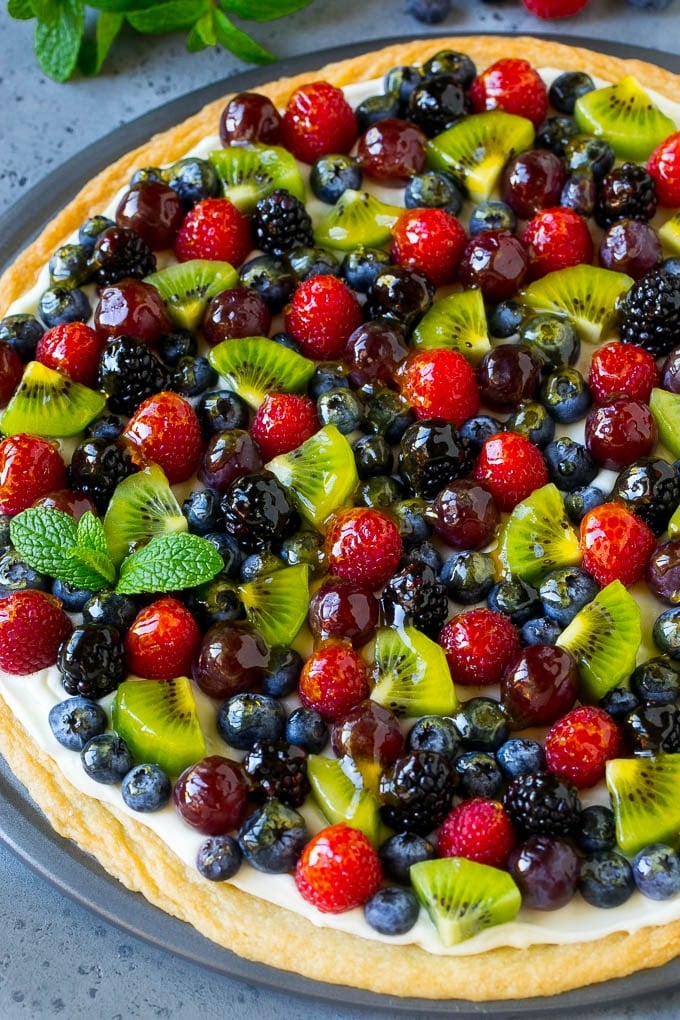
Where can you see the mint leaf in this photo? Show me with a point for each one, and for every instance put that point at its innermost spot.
(90, 534)
(85, 568)
(202, 34)
(22, 10)
(95, 50)
(240, 43)
(43, 538)
(169, 563)
(174, 16)
(125, 6)
(58, 34)
(263, 10)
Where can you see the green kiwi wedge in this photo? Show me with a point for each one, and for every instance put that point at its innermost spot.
(669, 234)
(665, 406)
(276, 604)
(142, 506)
(251, 172)
(476, 149)
(320, 474)
(537, 537)
(625, 116)
(357, 218)
(158, 721)
(411, 674)
(644, 798)
(338, 791)
(463, 897)
(457, 322)
(187, 287)
(674, 524)
(254, 366)
(604, 638)
(586, 295)
(47, 403)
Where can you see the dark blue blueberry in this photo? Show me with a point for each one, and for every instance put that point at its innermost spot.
(433, 189)
(63, 304)
(309, 262)
(229, 550)
(388, 414)
(220, 411)
(478, 775)
(435, 733)
(172, 347)
(671, 265)
(110, 609)
(515, 598)
(454, 63)
(376, 108)
(606, 879)
(540, 631)
(505, 318)
(342, 408)
(381, 491)
(427, 553)
(596, 829)
(400, 851)
(272, 278)
(203, 511)
(73, 599)
(307, 729)
(69, 266)
(436, 104)
(656, 681)
(107, 426)
(570, 465)
(565, 591)
(555, 340)
(520, 756)
(106, 758)
(492, 215)
(328, 376)
(414, 526)
(360, 267)
(402, 80)
(587, 154)
(401, 294)
(566, 395)
(273, 837)
(283, 674)
(246, 718)
(193, 179)
(554, 133)
(332, 175)
(373, 456)
(215, 601)
(656, 871)
(146, 787)
(532, 420)
(193, 376)
(666, 632)
(579, 193)
(76, 720)
(305, 546)
(429, 12)
(393, 910)
(17, 575)
(469, 576)
(218, 858)
(5, 522)
(579, 501)
(619, 703)
(91, 229)
(21, 332)
(475, 431)
(650, 5)
(482, 724)
(259, 563)
(567, 88)
(286, 340)
(652, 729)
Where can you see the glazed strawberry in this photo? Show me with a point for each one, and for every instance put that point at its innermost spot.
(622, 368)
(664, 167)
(338, 870)
(72, 348)
(479, 644)
(318, 120)
(557, 238)
(282, 422)
(214, 229)
(479, 830)
(550, 9)
(513, 85)
(11, 370)
(441, 384)
(510, 467)
(321, 316)
(166, 430)
(30, 467)
(580, 744)
(333, 680)
(32, 627)
(430, 241)
(616, 544)
(363, 545)
(162, 641)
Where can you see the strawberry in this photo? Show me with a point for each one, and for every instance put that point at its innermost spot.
(364, 545)
(32, 627)
(510, 467)
(479, 830)
(321, 316)
(557, 238)
(550, 9)
(616, 544)
(622, 368)
(11, 371)
(479, 644)
(162, 641)
(30, 467)
(72, 348)
(338, 869)
(430, 241)
(318, 120)
(333, 680)
(282, 422)
(166, 430)
(580, 744)
(441, 384)
(513, 85)
(664, 167)
(214, 229)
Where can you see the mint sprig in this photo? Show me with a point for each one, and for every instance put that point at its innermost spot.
(169, 563)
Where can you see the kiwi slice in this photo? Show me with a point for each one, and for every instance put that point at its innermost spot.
(624, 115)
(337, 789)
(537, 537)
(463, 897)
(357, 218)
(251, 172)
(604, 638)
(665, 406)
(674, 524)
(669, 234)
(586, 295)
(276, 604)
(142, 506)
(159, 722)
(476, 149)
(187, 287)
(412, 676)
(254, 366)
(47, 403)
(320, 474)
(457, 322)
(644, 797)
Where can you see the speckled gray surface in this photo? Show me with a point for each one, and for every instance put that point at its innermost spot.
(56, 957)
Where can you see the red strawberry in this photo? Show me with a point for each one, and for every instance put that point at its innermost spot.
(550, 9)
(513, 85)
(664, 167)
(580, 744)
(318, 120)
(363, 545)
(338, 870)
(479, 830)
(557, 238)
(166, 430)
(441, 384)
(510, 467)
(214, 229)
(321, 316)
(622, 368)
(616, 544)
(430, 241)
(30, 467)
(32, 627)
(11, 371)
(479, 644)
(334, 680)
(72, 348)
(162, 640)
(282, 422)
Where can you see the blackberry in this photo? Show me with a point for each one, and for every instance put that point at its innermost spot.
(97, 466)
(626, 192)
(417, 792)
(129, 372)
(652, 729)
(258, 512)
(92, 661)
(280, 223)
(650, 313)
(120, 252)
(543, 803)
(279, 770)
(432, 454)
(651, 489)
(415, 595)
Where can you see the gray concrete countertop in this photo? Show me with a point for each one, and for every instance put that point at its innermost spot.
(57, 958)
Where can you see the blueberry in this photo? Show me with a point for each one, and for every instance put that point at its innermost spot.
(651, 5)
(146, 788)
(392, 910)
(73, 599)
(579, 193)
(591, 155)
(433, 189)
(478, 775)
(342, 408)
(272, 278)
(172, 347)
(193, 376)
(400, 294)
(257, 564)
(387, 413)
(193, 179)
(218, 858)
(437, 104)
(400, 851)
(220, 411)
(381, 491)
(505, 319)
(203, 511)
(429, 12)
(425, 552)
(530, 419)
(454, 63)
(215, 601)
(555, 340)
(273, 837)
(651, 729)
(515, 598)
(107, 426)
(656, 871)
(566, 395)
(619, 703)
(672, 265)
(286, 340)
(520, 756)
(332, 175)
(414, 526)
(567, 88)
(328, 376)
(656, 681)
(21, 332)
(305, 546)
(76, 720)
(565, 591)
(580, 500)
(5, 521)
(229, 550)
(106, 758)
(606, 879)
(69, 266)
(283, 674)
(469, 576)
(246, 718)
(373, 456)
(435, 733)
(554, 133)
(376, 108)
(307, 262)
(475, 431)
(360, 267)
(540, 631)
(110, 609)
(491, 215)
(308, 730)
(570, 464)
(596, 829)
(91, 229)
(63, 304)
(402, 80)
(666, 633)
(17, 575)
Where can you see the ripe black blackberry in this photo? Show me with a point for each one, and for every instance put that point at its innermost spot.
(650, 312)
(120, 252)
(280, 223)
(626, 192)
(92, 661)
(415, 595)
(258, 512)
(129, 372)
(542, 803)
(97, 466)
(417, 792)
(432, 453)
(278, 769)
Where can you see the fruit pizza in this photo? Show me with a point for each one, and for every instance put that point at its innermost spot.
(340, 520)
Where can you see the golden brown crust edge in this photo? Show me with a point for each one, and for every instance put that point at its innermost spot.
(127, 849)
